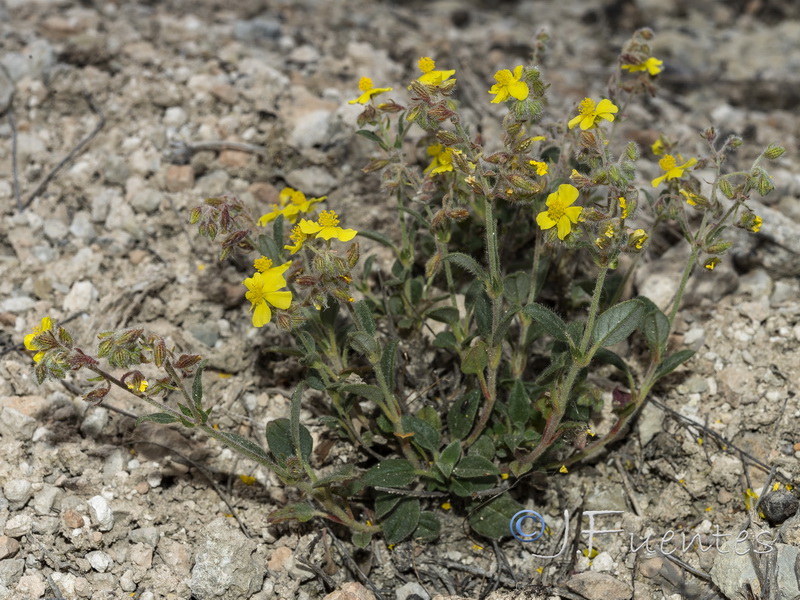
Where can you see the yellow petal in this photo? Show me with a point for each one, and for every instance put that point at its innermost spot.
(567, 193)
(519, 90)
(261, 314)
(564, 227)
(544, 221)
(574, 121)
(309, 227)
(279, 299)
(573, 212)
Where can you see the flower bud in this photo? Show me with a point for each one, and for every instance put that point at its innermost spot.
(447, 138)
(194, 216)
(458, 214)
(306, 281)
(632, 151)
(735, 141)
(433, 265)
(375, 165)
(719, 247)
(353, 254)
(725, 188)
(773, 151)
(525, 184)
(765, 185)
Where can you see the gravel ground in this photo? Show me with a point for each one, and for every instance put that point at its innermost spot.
(91, 508)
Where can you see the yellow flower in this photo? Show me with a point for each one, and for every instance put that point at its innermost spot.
(143, 385)
(509, 84)
(609, 231)
(563, 469)
(541, 167)
(45, 325)
(638, 238)
(658, 147)
(442, 159)
(429, 76)
(367, 91)
(263, 290)
(247, 479)
(652, 65)
(560, 212)
(327, 227)
(623, 206)
(671, 168)
(711, 263)
(589, 113)
(262, 264)
(446, 506)
(298, 237)
(292, 204)
(756, 226)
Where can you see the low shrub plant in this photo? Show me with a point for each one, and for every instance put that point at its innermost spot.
(481, 352)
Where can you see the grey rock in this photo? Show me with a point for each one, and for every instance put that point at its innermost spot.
(121, 217)
(225, 565)
(757, 283)
(313, 181)
(148, 536)
(101, 513)
(257, 30)
(82, 227)
(175, 116)
(116, 170)
(778, 506)
(411, 591)
(16, 425)
(18, 525)
(311, 130)
(650, 422)
(100, 561)
(11, 571)
(54, 229)
(146, 200)
(17, 492)
(17, 304)
(45, 499)
(206, 332)
(113, 464)
(787, 567)
(94, 422)
(81, 296)
(101, 202)
(732, 572)
(213, 184)
(15, 64)
(599, 586)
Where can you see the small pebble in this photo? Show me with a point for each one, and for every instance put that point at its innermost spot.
(778, 506)
(8, 547)
(101, 513)
(19, 525)
(72, 519)
(100, 561)
(17, 492)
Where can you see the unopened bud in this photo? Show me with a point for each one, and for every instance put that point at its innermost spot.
(709, 134)
(735, 142)
(725, 188)
(719, 247)
(498, 158)
(306, 281)
(194, 216)
(588, 140)
(447, 138)
(375, 165)
(440, 112)
(390, 107)
(613, 174)
(525, 184)
(446, 87)
(632, 151)
(433, 265)
(159, 352)
(458, 214)
(773, 151)
(353, 254)
(439, 220)
(187, 360)
(765, 185)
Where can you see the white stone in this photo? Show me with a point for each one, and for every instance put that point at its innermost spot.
(101, 513)
(100, 561)
(17, 492)
(81, 297)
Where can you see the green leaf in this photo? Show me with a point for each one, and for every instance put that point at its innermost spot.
(516, 287)
(393, 472)
(466, 487)
(197, 384)
(385, 503)
(377, 237)
(388, 360)
(277, 230)
(361, 539)
(446, 340)
(240, 443)
(363, 317)
(475, 466)
(279, 439)
(558, 362)
(345, 473)
(372, 137)
(402, 521)
(429, 527)
(449, 457)
(475, 359)
(612, 358)
(443, 314)
(364, 343)
(672, 362)
(484, 446)
(504, 324)
(519, 405)
(301, 511)
(162, 418)
(655, 327)
(431, 416)
(269, 248)
(483, 314)
(469, 264)
(462, 414)
(417, 215)
(492, 520)
(550, 321)
(618, 322)
(370, 392)
(294, 424)
(424, 433)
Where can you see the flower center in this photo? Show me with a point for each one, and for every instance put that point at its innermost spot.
(426, 64)
(328, 218)
(298, 198)
(256, 296)
(504, 77)
(667, 163)
(262, 264)
(587, 107)
(556, 211)
(365, 84)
